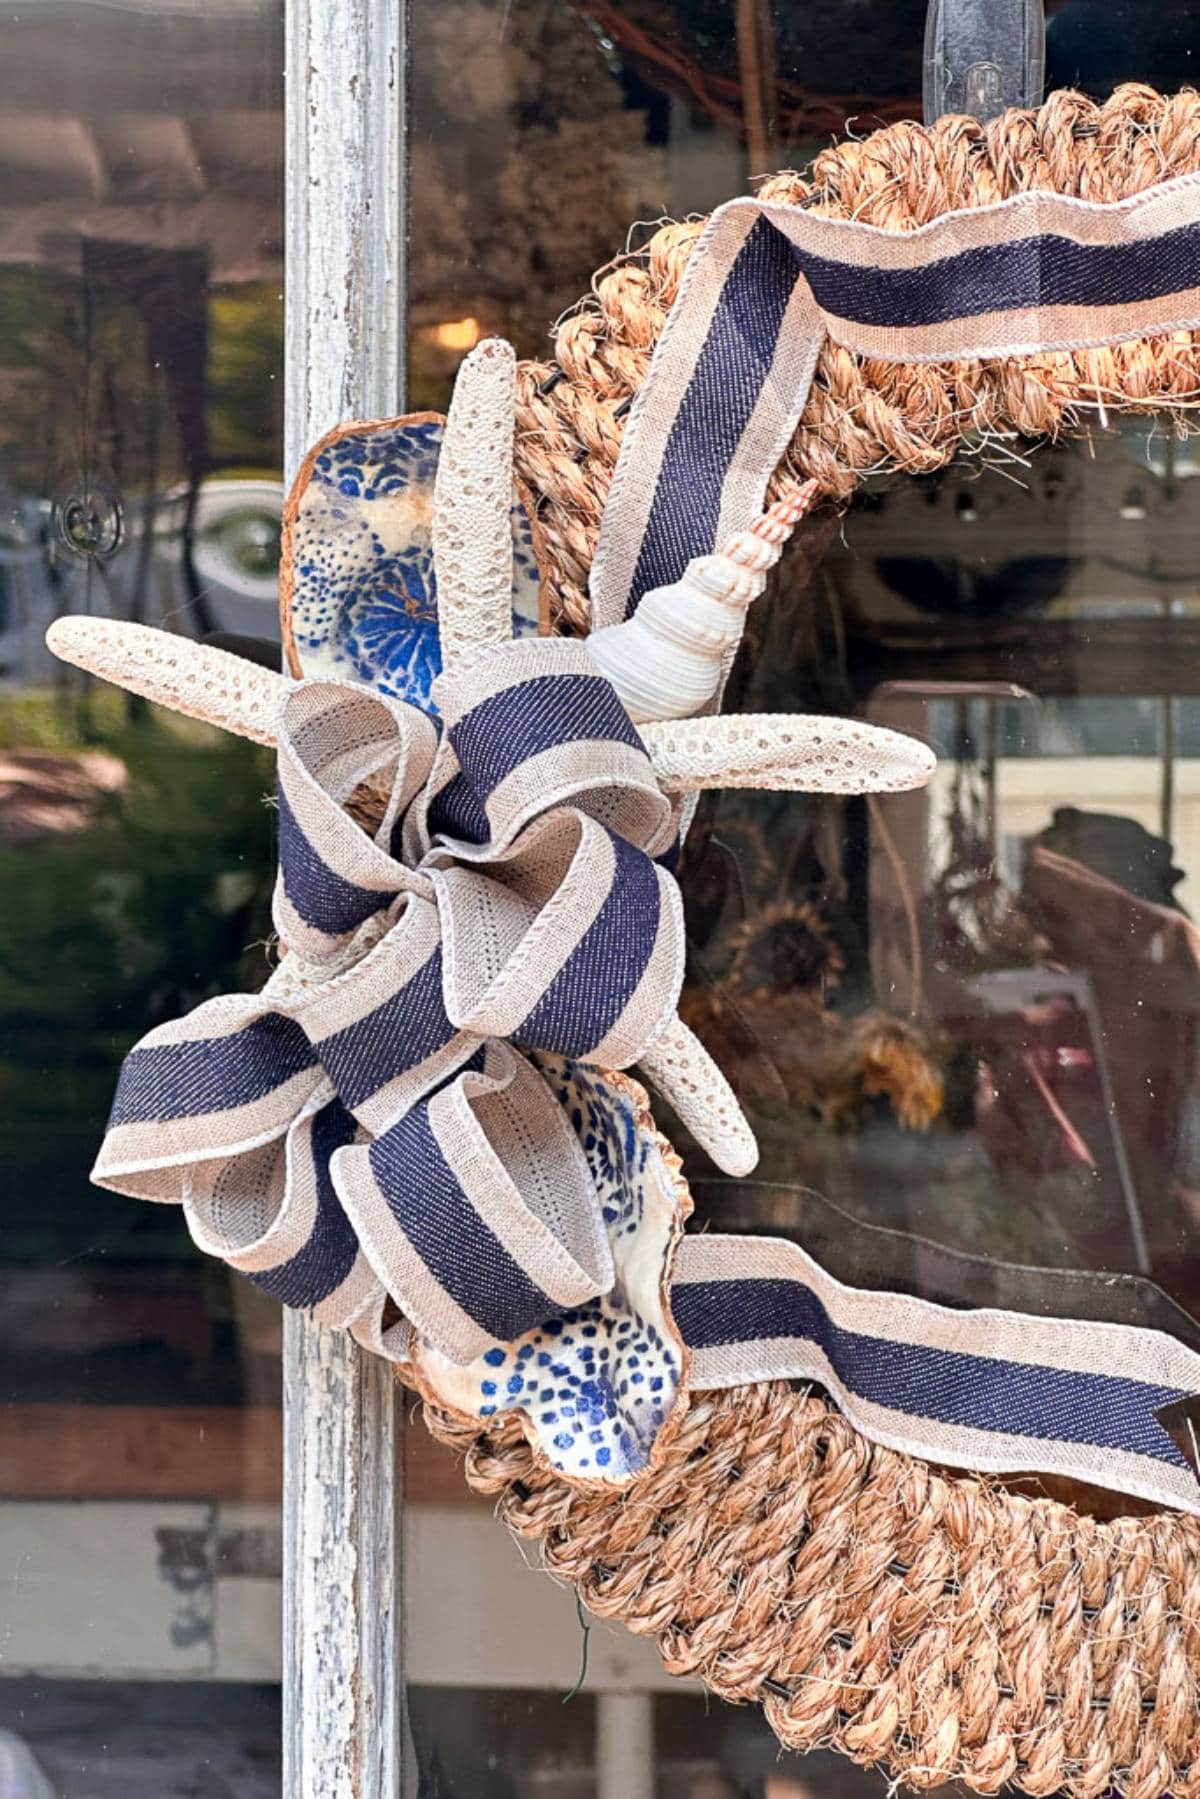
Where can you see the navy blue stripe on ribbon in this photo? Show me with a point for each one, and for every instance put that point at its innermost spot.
(405, 1030)
(211, 1074)
(590, 991)
(323, 898)
(457, 813)
(736, 359)
(1029, 272)
(949, 1386)
(724, 389)
(315, 1271)
(521, 721)
(464, 1257)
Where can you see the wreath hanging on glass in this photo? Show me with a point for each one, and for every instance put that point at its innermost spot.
(507, 637)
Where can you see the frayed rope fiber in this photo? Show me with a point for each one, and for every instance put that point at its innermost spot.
(937, 1626)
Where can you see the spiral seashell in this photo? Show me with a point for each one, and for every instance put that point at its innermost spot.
(666, 661)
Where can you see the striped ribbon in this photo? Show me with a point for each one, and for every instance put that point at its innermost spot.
(369, 1126)
(985, 1388)
(766, 283)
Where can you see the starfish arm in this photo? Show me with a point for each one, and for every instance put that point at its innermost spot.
(792, 752)
(678, 1064)
(472, 530)
(186, 677)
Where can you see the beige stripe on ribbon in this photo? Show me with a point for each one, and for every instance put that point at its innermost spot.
(618, 775)
(1021, 333)
(396, 1263)
(511, 1149)
(258, 1212)
(1068, 1344)
(501, 949)
(339, 734)
(1171, 205)
(765, 438)
(1077, 1346)
(149, 1159)
(459, 691)
(631, 492)
(656, 995)
(346, 999)
(955, 1445)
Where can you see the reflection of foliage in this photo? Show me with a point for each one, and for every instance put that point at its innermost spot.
(785, 948)
(41, 372)
(80, 390)
(976, 921)
(153, 907)
(892, 1061)
(690, 51)
(245, 354)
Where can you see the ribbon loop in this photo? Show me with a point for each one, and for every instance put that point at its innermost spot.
(333, 876)
(361, 1128)
(229, 1077)
(571, 943)
(380, 1029)
(274, 1215)
(478, 1210)
(535, 726)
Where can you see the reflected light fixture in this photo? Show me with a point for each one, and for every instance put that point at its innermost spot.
(456, 334)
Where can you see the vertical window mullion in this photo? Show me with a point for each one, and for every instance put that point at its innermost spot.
(344, 358)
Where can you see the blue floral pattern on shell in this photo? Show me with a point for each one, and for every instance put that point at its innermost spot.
(596, 1385)
(364, 594)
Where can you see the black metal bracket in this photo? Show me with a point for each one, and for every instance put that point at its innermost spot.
(982, 56)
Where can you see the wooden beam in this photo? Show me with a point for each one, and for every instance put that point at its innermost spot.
(207, 1452)
(345, 317)
(210, 1452)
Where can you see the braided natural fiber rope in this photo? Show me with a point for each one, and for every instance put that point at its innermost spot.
(864, 415)
(938, 1625)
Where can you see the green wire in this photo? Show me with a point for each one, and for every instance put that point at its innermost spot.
(586, 1628)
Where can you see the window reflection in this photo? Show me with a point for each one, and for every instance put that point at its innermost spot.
(140, 397)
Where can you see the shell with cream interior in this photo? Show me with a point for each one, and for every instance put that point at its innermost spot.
(666, 661)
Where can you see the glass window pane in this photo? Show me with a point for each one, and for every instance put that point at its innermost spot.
(957, 1060)
(141, 374)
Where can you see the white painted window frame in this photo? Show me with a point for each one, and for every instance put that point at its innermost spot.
(345, 229)
(344, 1733)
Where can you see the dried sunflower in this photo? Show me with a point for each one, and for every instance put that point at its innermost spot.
(894, 1060)
(785, 949)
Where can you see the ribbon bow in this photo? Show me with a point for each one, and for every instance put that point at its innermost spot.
(370, 1125)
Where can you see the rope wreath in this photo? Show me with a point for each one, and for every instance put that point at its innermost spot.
(940, 1626)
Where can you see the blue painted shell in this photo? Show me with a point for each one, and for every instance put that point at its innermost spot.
(596, 1386)
(364, 593)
